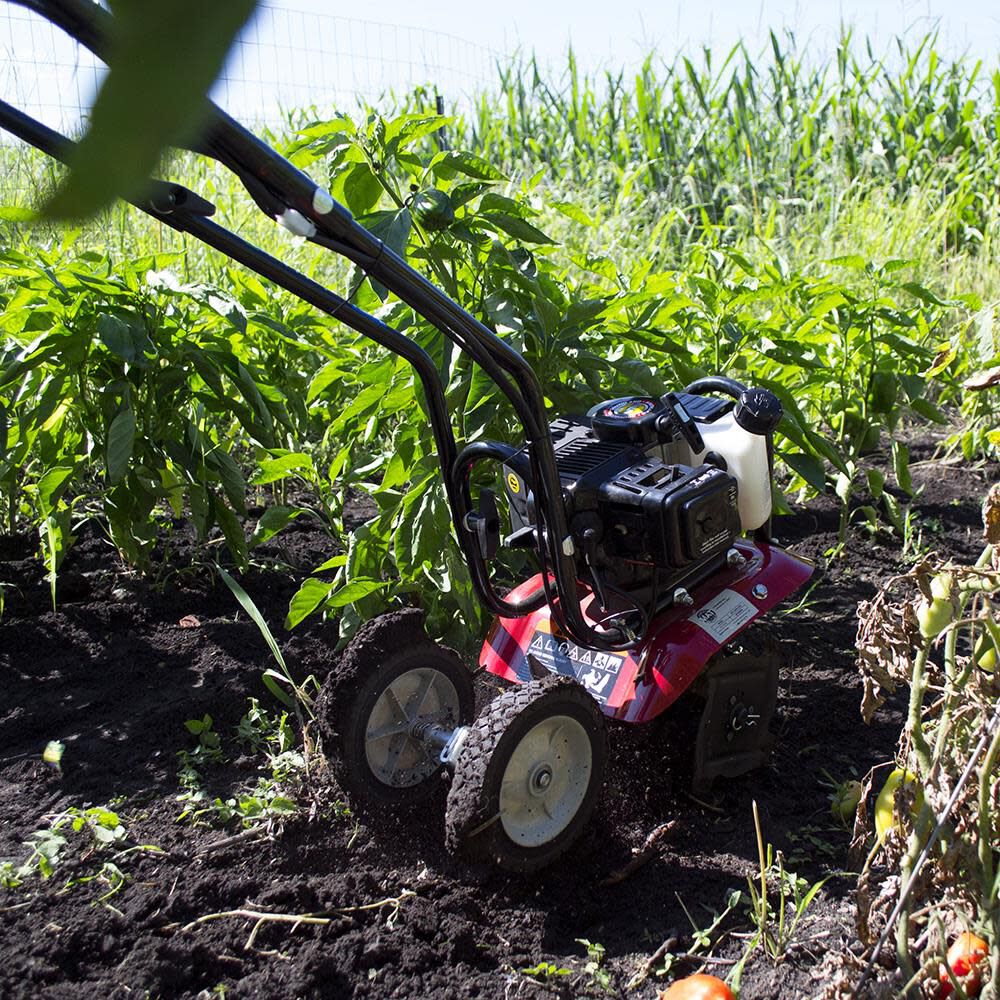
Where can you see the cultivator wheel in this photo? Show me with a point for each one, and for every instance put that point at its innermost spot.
(528, 775)
(740, 691)
(391, 686)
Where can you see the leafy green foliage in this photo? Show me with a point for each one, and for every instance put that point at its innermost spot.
(92, 842)
(129, 392)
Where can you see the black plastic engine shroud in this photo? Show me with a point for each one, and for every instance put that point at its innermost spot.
(633, 516)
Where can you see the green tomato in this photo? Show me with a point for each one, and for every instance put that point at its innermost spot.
(885, 804)
(934, 617)
(985, 653)
(942, 586)
(863, 434)
(844, 800)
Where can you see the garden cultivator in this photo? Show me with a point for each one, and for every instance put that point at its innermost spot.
(648, 519)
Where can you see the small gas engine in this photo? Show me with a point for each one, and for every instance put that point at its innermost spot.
(656, 490)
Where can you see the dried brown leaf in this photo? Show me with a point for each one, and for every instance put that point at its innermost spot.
(983, 380)
(991, 515)
(862, 831)
(888, 634)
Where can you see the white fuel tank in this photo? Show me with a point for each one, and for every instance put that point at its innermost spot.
(740, 437)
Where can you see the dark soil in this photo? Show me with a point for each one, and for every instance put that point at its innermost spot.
(114, 676)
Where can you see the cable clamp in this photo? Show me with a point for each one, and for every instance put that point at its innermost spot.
(296, 223)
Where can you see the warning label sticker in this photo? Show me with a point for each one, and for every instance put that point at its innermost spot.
(595, 670)
(724, 615)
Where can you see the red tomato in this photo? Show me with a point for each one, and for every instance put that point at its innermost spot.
(699, 987)
(965, 957)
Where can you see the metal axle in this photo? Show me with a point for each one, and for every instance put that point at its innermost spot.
(447, 741)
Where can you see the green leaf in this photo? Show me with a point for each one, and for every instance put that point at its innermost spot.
(362, 189)
(898, 264)
(258, 619)
(928, 411)
(392, 228)
(273, 520)
(513, 226)
(233, 483)
(852, 261)
(827, 304)
(119, 337)
(163, 58)
(51, 485)
(329, 374)
(450, 162)
(274, 469)
(574, 212)
(236, 540)
(121, 442)
(15, 213)
(354, 591)
(306, 600)
(808, 467)
(844, 487)
(922, 293)
(876, 482)
(901, 466)
(273, 682)
(334, 562)
(893, 511)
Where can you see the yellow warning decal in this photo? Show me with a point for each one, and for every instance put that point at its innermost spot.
(513, 483)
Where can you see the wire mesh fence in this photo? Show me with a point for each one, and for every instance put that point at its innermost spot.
(286, 61)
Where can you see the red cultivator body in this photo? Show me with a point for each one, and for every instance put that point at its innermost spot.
(648, 520)
(637, 685)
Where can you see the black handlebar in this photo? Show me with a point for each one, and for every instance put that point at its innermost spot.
(716, 383)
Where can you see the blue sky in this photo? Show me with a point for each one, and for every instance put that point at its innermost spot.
(618, 31)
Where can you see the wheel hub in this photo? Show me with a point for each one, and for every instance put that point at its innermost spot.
(417, 699)
(540, 779)
(545, 781)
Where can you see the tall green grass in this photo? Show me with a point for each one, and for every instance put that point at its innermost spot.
(884, 156)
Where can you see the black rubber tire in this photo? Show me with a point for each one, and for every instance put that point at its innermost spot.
(381, 651)
(473, 825)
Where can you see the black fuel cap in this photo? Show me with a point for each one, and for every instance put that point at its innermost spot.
(758, 411)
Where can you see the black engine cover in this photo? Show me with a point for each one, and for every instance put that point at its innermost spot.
(630, 507)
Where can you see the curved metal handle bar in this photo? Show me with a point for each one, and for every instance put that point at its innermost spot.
(461, 474)
(716, 383)
(240, 150)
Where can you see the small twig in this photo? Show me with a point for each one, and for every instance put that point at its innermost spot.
(708, 959)
(643, 974)
(259, 920)
(254, 833)
(649, 850)
(392, 900)
(16, 906)
(706, 805)
(321, 919)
